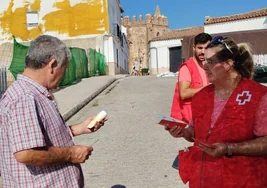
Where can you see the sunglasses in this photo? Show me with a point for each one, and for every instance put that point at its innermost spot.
(219, 40)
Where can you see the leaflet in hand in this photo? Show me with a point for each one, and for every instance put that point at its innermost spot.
(204, 143)
(100, 116)
(171, 122)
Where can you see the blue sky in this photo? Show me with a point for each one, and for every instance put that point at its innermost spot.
(189, 13)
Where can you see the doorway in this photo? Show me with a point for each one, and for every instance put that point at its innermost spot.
(175, 58)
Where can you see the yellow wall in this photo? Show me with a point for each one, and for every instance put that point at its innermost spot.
(14, 22)
(80, 19)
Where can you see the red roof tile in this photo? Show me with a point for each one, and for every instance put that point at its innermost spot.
(243, 16)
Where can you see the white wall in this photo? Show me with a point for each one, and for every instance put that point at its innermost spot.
(108, 49)
(46, 7)
(124, 30)
(239, 25)
(159, 57)
(114, 16)
(112, 43)
(117, 47)
(114, 20)
(125, 53)
(124, 48)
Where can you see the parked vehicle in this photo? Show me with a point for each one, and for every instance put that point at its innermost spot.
(260, 71)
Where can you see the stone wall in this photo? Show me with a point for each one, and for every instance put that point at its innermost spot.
(140, 32)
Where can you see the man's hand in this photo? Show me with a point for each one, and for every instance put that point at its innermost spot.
(219, 149)
(82, 128)
(79, 154)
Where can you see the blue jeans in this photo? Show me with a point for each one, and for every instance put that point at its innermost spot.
(175, 162)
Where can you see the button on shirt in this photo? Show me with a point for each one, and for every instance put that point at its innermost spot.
(29, 118)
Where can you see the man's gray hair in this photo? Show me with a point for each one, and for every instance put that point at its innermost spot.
(45, 48)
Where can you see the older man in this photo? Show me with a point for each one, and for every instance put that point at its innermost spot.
(36, 144)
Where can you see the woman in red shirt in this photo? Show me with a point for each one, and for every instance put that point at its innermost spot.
(229, 121)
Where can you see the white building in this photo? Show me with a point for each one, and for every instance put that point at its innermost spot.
(79, 23)
(251, 25)
(255, 20)
(169, 51)
(166, 51)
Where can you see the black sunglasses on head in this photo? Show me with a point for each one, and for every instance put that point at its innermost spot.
(219, 40)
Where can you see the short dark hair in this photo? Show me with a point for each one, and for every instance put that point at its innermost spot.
(202, 38)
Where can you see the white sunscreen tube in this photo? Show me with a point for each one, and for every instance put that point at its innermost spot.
(101, 115)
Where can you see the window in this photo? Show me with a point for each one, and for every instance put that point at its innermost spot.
(117, 57)
(119, 34)
(118, 31)
(32, 18)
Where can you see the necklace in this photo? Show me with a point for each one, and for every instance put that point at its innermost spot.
(223, 95)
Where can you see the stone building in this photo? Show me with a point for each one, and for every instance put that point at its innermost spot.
(140, 32)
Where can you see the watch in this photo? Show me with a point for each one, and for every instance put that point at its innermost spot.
(229, 149)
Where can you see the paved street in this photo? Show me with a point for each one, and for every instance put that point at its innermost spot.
(131, 150)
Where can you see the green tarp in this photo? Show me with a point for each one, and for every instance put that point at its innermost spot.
(70, 73)
(98, 65)
(77, 67)
(18, 61)
(81, 61)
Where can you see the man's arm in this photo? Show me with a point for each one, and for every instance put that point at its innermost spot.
(185, 91)
(54, 155)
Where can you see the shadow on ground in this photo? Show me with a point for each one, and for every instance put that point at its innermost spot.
(118, 186)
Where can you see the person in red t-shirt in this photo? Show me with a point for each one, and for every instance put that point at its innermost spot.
(191, 79)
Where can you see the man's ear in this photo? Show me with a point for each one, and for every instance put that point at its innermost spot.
(194, 48)
(51, 65)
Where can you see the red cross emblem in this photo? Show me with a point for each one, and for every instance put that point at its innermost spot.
(244, 97)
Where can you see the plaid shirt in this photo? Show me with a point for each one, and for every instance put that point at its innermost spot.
(29, 118)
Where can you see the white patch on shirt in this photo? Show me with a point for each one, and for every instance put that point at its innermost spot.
(244, 97)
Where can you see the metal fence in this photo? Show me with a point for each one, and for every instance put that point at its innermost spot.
(3, 80)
